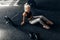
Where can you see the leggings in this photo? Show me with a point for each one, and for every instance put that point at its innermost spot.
(38, 19)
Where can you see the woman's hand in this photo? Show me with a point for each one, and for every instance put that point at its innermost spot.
(22, 23)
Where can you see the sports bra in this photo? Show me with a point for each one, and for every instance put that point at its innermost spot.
(29, 14)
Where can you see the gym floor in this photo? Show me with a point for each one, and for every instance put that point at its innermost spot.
(9, 32)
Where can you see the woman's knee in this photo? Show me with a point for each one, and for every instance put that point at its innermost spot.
(41, 16)
(35, 21)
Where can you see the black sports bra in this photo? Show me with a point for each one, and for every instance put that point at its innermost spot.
(29, 14)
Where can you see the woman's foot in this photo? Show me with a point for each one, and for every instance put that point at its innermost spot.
(46, 27)
(49, 22)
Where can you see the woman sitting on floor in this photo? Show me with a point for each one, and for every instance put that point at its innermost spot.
(34, 19)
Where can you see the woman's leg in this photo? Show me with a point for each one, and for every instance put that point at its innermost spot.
(40, 21)
(47, 20)
(44, 18)
(44, 25)
(34, 21)
(37, 19)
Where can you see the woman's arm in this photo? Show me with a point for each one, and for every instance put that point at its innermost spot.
(30, 18)
(23, 19)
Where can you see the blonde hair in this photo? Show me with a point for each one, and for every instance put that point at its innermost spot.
(26, 5)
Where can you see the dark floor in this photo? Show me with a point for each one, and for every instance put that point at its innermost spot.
(9, 32)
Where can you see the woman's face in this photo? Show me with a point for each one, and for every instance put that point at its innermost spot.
(27, 9)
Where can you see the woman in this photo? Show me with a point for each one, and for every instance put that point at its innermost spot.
(34, 19)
